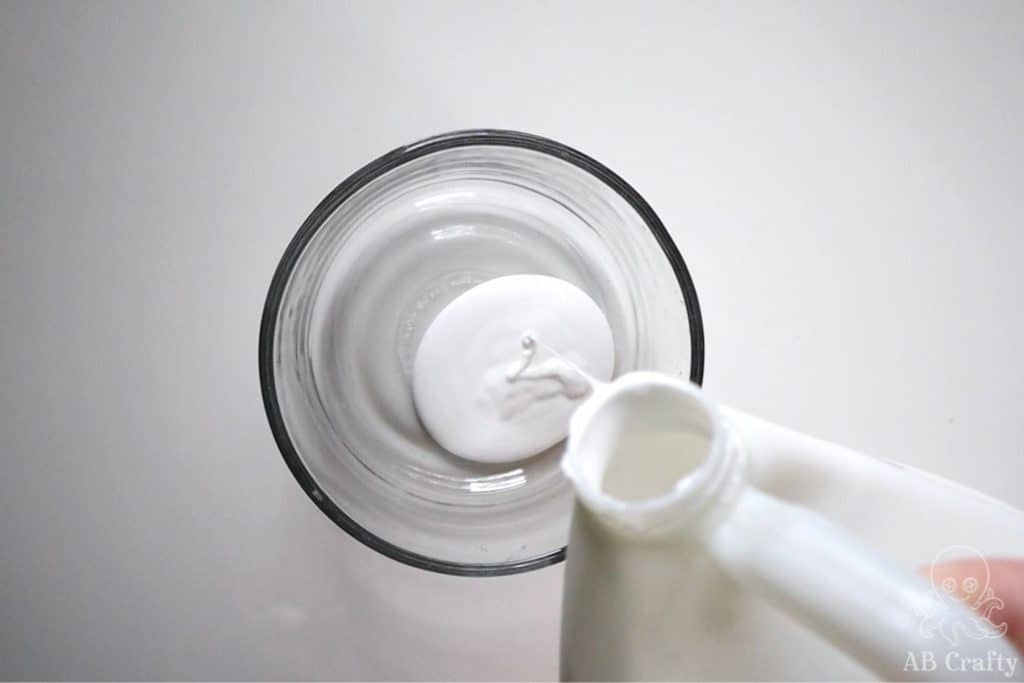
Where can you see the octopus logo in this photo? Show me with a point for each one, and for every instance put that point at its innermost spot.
(953, 587)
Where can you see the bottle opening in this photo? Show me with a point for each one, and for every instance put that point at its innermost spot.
(647, 463)
(646, 449)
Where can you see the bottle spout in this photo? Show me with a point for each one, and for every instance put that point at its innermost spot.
(649, 453)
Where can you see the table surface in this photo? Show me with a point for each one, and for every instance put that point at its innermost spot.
(844, 180)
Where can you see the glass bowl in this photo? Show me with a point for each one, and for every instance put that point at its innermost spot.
(365, 275)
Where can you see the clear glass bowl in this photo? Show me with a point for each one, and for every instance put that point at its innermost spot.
(367, 272)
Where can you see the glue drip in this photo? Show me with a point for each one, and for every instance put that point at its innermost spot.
(574, 382)
(472, 395)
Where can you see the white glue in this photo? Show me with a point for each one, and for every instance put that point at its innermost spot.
(502, 368)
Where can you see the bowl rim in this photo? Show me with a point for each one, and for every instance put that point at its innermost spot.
(348, 187)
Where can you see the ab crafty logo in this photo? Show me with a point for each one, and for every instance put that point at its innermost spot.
(961, 612)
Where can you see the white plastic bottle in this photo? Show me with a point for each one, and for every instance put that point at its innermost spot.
(710, 545)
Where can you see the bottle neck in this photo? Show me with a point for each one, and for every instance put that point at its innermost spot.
(649, 454)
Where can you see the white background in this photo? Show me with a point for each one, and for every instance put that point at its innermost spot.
(844, 180)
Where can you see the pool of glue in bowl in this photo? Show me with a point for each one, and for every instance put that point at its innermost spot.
(494, 388)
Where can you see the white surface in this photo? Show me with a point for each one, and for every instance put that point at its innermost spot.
(477, 394)
(843, 180)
